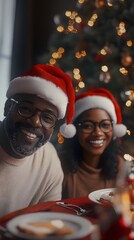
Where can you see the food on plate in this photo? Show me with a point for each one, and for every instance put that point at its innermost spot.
(42, 229)
(106, 198)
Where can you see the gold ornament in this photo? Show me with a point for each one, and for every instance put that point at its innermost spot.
(60, 138)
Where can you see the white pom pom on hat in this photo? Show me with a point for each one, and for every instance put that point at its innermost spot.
(50, 83)
(68, 131)
(119, 130)
(99, 98)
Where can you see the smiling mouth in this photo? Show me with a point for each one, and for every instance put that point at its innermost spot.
(97, 142)
(29, 135)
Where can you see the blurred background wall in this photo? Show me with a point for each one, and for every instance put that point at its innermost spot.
(25, 27)
(7, 15)
(32, 27)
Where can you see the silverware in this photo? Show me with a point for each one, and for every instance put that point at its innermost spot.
(4, 233)
(79, 210)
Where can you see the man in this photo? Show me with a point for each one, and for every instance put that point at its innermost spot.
(30, 170)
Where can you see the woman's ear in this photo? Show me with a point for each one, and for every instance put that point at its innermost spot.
(7, 107)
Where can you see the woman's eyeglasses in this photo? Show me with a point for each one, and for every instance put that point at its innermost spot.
(105, 125)
(27, 110)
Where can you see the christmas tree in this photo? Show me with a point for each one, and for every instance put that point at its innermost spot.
(94, 44)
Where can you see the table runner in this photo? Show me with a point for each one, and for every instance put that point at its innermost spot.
(115, 232)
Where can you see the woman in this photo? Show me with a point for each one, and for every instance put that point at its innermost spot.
(92, 159)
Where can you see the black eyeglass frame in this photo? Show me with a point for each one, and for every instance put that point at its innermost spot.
(34, 110)
(87, 130)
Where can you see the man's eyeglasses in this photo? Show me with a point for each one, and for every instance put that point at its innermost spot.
(27, 110)
(105, 125)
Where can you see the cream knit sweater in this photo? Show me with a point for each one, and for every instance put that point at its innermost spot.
(28, 181)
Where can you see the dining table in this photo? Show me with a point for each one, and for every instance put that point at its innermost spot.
(115, 231)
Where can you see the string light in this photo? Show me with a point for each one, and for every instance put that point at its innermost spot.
(56, 55)
(71, 28)
(52, 61)
(60, 28)
(68, 13)
(130, 94)
(128, 157)
(109, 4)
(81, 84)
(78, 78)
(76, 70)
(128, 132)
(81, 1)
(103, 51)
(80, 54)
(126, 59)
(76, 73)
(61, 50)
(121, 29)
(129, 43)
(71, 15)
(123, 71)
(128, 103)
(78, 19)
(92, 20)
(76, 89)
(99, 3)
(104, 68)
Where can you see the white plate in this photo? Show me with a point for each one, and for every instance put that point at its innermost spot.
(95, 196)
(81, 226)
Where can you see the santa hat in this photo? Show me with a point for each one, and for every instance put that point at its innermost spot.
(50, 83)
(98, 98)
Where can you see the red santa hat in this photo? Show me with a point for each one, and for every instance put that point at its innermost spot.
(98, 98)
(50, 83)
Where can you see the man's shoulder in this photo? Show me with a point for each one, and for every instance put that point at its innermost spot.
(47, 149)
(49, 145)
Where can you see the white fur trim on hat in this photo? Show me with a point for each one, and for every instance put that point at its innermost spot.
(90, 102)
(41, 87)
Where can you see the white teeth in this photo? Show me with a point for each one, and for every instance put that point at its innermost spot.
(29, 134)
(97, 142)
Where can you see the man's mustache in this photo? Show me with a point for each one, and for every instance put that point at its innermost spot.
(28, 127)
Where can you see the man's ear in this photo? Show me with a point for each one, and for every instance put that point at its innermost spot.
(7, 107)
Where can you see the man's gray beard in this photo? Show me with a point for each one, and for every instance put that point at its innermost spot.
(17, 148)
(22, 151)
